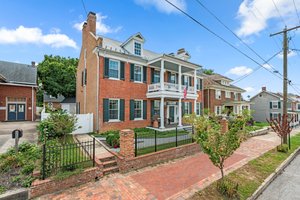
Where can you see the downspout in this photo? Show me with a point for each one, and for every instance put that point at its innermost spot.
(97, 93)
(32, 100)
(84, 86)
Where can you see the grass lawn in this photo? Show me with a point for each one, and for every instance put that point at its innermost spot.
(251, 176)
(261, 124)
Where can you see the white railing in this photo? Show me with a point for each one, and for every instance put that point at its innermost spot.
(170, 87)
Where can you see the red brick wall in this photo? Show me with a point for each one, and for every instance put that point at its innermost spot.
(156, 157)
(17, 92)
(42, 187)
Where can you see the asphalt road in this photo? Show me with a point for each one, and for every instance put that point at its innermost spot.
(29, 133)
(286, 186)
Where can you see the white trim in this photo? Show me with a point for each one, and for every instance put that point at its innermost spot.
(218, 96)
(97, 94)
(227, 92)
(140, 43)
(142, 73)
(119, 69)
(175, 113)
(142, 105)
(16, 102)
(13, 84)
(198, 103)
(114, 120)
(275, 103)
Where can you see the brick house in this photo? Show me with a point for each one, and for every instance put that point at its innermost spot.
(127, 86)
(18, 84)
(220, 94)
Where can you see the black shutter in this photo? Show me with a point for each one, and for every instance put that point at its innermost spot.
(182, 108)
(144, 109)
(200, 109)
(190, 80)
(270, 105)
(190, 109)
(152, 109)
(182, 80)
(85, 76)
(176, 77)
(105, 110)
(106, 67)
(271, 116)
(82, 78)
(131, 109)
(169, 77)
(201, 82)
(131, 72)
(279, 116)
(152, 75)
(122, 107)
(145, 74)
(279, 104)
(122, 71)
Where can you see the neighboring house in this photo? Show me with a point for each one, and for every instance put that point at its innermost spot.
(220, 95)
(69, 105)
(18, 84)
(52, 102)
(268, 105)
(127, 86)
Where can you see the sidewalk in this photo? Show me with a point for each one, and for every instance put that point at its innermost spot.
(178, 179)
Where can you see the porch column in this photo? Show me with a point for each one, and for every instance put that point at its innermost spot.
(162, 77)
(195, 106)
(195, 81)
(179, 78)
(179, 113)
(162, 114)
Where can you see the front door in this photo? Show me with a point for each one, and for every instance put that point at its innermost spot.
(12, 112)
(20, 112)
(172, 113)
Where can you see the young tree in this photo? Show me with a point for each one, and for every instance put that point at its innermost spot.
(208, 71)
(58, 75)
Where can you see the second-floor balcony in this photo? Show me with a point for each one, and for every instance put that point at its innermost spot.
(172, 87)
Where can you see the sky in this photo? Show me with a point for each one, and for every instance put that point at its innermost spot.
(30, 29)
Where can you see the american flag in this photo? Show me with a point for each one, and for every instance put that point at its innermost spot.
(185, 92)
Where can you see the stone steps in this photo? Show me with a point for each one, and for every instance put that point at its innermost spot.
(110, 165)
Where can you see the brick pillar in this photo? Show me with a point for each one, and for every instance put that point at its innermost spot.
(224, 125)
(127, 143)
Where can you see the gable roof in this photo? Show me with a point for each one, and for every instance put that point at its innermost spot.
(267, 92)
(49, 98)
(137, 35)
(69, 100)
(18, 73)
(212, 80)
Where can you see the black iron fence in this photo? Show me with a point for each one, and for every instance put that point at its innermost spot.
(67, 157)
(152, 140)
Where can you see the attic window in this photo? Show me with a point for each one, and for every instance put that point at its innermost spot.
(137, 48)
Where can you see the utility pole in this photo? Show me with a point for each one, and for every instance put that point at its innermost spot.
(285, 80)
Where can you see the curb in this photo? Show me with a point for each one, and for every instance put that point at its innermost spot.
(274, 175)
(18, 194)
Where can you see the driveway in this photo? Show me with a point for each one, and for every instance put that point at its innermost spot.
(286, 185)
(29, 133)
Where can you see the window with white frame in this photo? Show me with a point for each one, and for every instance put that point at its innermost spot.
(186, 108)
(186, 81)
(198, 108)
(227, 94)
(275, 115)
(137, 48)
(138, 107)
(236, 96)
(156, 107)
(172, 78)
(138, 73)
(298, 106)
(274, 104)
(156, 76)
(223, 82)
(218, 110)
(114, 109)
(199, 84)
(218, 94)
(114, 69)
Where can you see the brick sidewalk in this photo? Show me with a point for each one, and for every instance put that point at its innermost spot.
(177, 179)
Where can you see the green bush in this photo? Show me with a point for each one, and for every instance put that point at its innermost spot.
(283, 148)
(113, 138)
(2, 189)
(228, 188)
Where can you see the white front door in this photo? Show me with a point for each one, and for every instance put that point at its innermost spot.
(172, 114)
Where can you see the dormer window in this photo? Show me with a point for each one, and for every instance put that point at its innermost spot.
(137, 48)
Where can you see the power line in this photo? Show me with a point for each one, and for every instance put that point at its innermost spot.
(220, 21)
(279, 13)
(215, 34)
(83, 5)
(296, 10)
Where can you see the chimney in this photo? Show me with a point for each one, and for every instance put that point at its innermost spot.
(180, 51)
(32, 63)
(91, 22)
(264, 89)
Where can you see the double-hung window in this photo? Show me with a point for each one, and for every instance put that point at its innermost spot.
(114, 69)
(137, 73)
(228, 94)
(186, 108)
(137, 49)
(172, 78)
(298, 106)
(114, 109)
(156, 107)
(274, 104)
(218, 110)
(199, 84)
(236, 96)
(186, 81)
(218, 94)
(138, 108)
(156, 76)
(198, 108)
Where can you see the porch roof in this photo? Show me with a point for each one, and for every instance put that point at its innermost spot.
(233, 103)
(172, 63)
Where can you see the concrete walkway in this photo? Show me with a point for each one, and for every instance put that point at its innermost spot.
(178, 179)
(286, 185)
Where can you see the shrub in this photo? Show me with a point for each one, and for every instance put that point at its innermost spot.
(283, 148)
(113, 138)
(228, 188)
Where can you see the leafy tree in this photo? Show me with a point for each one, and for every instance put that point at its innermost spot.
(208, 71)
(58, 75)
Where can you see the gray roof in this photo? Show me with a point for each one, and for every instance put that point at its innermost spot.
(49, 98)
(69, 100)
(18, 73)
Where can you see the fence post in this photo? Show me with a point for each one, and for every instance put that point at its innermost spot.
(193, 133)
(176, 137)
(155, 141)
(44, 162)
(135, 144)
(94, 146)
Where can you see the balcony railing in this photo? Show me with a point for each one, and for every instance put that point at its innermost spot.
(169, 87)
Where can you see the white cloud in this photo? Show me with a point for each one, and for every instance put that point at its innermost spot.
(240, 70)
(101, 27)
(255, 14)
(24, 35)
(290, 54)
(163, 6)
(249, 89)
(267, 66)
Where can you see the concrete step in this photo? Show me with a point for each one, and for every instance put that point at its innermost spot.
(107, 158)
(110, 170)
(111, 163)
